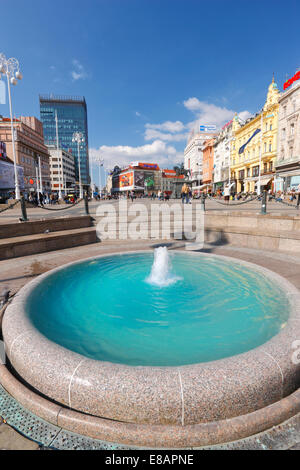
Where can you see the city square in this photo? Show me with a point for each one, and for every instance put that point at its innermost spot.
(149, 290)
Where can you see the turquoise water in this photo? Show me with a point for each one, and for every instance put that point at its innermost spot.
(104, 309)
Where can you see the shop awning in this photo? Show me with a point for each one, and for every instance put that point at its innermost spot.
(264, 181)
(288, 173)
(200, 187)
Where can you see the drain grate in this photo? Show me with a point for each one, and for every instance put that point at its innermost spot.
(66, 440)
(46, 434)
(49, 436)
(25, 422)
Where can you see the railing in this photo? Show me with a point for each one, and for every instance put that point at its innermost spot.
(23, 204)
(264, 198)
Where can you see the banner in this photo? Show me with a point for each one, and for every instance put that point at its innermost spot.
(149, 181)
(7, 176)
(139, 181)
(2, 93)
(242, 148)
(209, 128)
(126, 180)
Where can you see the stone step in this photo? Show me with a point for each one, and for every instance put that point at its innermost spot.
(56, 224)
(39, 243)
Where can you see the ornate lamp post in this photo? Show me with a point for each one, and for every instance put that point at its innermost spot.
(100, 161)
(78, 137)
(10, 68)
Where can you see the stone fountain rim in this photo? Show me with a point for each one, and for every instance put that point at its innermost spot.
(270, 373)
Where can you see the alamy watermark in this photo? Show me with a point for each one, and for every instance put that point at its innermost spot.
(152, 221)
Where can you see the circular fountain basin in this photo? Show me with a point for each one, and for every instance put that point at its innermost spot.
(213, 343)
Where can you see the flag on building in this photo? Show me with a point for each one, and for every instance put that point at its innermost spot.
(242, 148)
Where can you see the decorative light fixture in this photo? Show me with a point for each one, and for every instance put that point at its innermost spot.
(11, 68)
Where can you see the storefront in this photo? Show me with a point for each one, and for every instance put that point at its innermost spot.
(7, 177)
(288, 181)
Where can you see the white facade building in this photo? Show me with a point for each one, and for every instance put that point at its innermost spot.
(193, 155)
(222, 149)
(288, 155)
(62, 169)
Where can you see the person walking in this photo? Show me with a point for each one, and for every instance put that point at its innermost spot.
(226, 194)
(185, 193)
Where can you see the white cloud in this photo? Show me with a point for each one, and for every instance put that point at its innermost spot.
(167, 126)
(168, 131)
(151, 134)
(138, 114)
(208, 113)
(79, 73)
(244, 115)
(156, 152)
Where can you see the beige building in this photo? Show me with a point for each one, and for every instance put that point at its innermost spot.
(288, 158)
(31, 152)
(254, 146)
(62, 169)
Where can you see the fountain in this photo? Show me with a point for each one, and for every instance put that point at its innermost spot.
(161, 274)
(144, 360)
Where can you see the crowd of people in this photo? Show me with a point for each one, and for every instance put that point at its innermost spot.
(40, 199)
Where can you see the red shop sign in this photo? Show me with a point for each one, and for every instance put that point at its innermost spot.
(291, 80)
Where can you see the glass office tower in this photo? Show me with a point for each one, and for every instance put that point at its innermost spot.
(72, 117)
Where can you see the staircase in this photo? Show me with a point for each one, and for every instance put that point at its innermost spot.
(29, 238)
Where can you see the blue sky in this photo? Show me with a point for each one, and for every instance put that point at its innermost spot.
(150, 70)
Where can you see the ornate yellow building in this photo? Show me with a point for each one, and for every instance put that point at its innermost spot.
(256, 160)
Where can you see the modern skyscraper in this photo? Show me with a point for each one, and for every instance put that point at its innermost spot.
(72, 117)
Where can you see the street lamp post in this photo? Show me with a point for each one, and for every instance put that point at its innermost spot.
(260, 154)
(101, 162)
(78, 137)
(10, 68)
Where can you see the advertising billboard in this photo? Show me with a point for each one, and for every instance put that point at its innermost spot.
(126, 181)
(149, 181)
(139, 180)
(208, 128)
(115, 182)
(7, 176)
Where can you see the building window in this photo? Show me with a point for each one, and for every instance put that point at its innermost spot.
(265, 167)
(271, 166)
(271, 126)
(265, 147)
(283, 133)
(292, 129)
(255, 171)
(270, 146)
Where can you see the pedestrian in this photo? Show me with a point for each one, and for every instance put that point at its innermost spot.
(184, 193)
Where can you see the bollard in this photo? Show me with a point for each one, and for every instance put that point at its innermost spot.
(264, 203)
(23, 209)
(298, 200)
(86, 204)
(203, 202)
